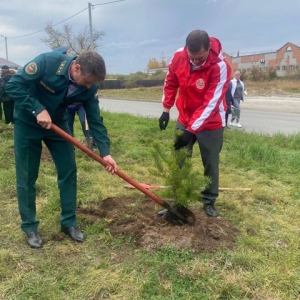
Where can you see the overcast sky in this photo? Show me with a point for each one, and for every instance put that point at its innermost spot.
(138, 30)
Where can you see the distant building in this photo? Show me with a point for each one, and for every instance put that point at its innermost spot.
(285, 61)
(10, 64)
(153, 71)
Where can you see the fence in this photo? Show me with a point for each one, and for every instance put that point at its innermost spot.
(109, 84)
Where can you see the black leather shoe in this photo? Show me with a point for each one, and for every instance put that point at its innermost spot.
(210, 210)
(34, 240)
(74, 233)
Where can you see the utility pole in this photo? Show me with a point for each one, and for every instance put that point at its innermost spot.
(91, 27)
(5, 37)
(90, 20)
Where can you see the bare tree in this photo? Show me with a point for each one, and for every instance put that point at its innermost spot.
(76, 43)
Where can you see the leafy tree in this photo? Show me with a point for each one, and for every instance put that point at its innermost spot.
(76, 43)
(256, 74)
(153, 64)
(272, 74)
(159, 74)
(163, 64)
(129, 84)
(243, 74)
(119, 77)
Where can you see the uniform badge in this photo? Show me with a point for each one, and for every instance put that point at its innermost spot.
(60, 68)
(200, 84)
(31, 68)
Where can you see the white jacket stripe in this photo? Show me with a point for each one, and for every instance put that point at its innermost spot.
(216, 96)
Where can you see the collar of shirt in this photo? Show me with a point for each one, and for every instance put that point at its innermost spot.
(72, 85)
(195, 66)
(69, 73)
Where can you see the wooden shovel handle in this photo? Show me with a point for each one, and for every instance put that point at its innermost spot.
(98, 158)
(221, 189)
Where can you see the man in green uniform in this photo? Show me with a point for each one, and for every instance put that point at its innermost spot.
(42, 90)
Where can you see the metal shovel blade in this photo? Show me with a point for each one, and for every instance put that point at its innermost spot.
(178, 215)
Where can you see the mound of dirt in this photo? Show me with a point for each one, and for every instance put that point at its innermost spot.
(137, 218)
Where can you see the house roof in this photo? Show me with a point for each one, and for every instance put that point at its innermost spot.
(259, 53)
(288, 44)
(10, 64)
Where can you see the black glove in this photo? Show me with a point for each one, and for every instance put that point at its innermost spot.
(184, 139)
(164, 120)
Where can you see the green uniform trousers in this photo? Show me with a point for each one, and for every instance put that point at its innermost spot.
(28, 138)
(210, 144)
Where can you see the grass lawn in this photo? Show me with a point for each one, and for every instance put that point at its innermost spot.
(263, 262)
(279, 87)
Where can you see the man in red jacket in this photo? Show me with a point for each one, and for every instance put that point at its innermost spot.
(200, 75)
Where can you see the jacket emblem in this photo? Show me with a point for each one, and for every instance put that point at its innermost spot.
(200, 84)
(31, 68)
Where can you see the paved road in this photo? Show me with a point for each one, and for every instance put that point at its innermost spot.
(266, 115)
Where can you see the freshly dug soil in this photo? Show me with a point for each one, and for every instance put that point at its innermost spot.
(137, 218)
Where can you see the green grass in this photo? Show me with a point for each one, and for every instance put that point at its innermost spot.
(278, 87)
(264, 264)
(153, 93)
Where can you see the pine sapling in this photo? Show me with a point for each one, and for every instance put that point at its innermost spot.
(183, 182)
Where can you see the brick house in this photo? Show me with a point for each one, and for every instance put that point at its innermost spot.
(286, 60)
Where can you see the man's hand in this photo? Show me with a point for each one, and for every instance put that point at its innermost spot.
(164, 120)
(183, 139)
(44, 119)
(111, 164)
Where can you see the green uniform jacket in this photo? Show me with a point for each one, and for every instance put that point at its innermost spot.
(43, 84)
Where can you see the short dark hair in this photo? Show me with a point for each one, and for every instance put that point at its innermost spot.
(5, 67)
(196, 40)
(92, 64)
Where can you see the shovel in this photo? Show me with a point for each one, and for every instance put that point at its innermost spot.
(176, 214)
(88, 139)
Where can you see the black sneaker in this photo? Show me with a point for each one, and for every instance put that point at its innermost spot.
(210, 210)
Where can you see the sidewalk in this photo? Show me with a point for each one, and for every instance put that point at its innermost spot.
(271, 104)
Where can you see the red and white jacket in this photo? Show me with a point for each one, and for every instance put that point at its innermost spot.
(201, 99)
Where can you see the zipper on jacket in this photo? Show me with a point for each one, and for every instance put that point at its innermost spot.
(186, 87)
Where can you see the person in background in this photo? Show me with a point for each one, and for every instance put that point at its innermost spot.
(8, 103)
(200, 75)
(72, 110)
(229, 102)
(42, 90)
(1, 109)
(237, 93)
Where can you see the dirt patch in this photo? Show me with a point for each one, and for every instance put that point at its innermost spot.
(137, 218)
(6, 128)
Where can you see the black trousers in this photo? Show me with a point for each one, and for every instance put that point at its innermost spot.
(210, 145)
(8, 108)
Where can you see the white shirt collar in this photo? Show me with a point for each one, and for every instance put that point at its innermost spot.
(70, 72)
(195, 66)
